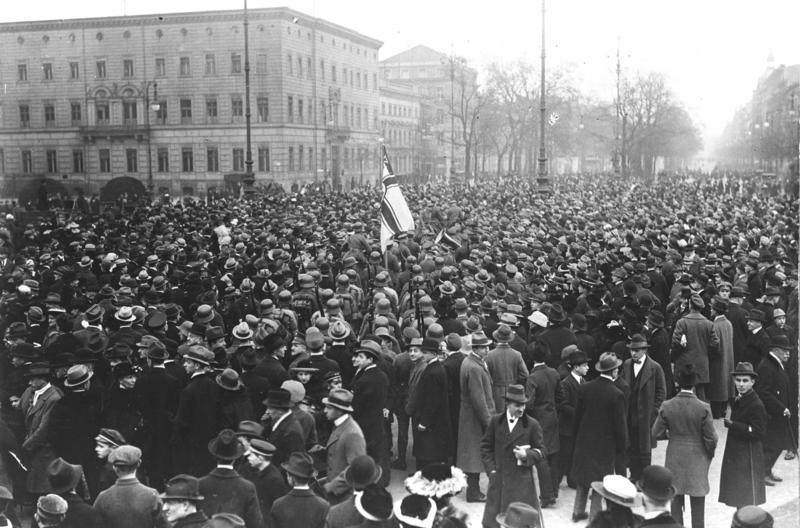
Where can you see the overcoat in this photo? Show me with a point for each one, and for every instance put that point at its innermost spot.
(430, 408)
(270, 486)
(566, 400)
(130, 504)
(452, 366)
(648, 392)
(506, 368)
(659, 341)
(541, 389)
(688, 424)
(720, 364)
(757, 347)
(196, 425)
(287, 439)
(37, 441)
(225, 491)
(157, 392)
(300, 508)
(701, 340)
(477, 408)
(601, 434)
(772, 387)
(370, 391)
(741, 480)
(557, 337)
(80, 514)
(510, 481)
(345, 443)
(737, 316)
(343, 514)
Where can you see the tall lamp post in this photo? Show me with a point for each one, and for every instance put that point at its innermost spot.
(248, 162)
(543, 179)
(155, 107)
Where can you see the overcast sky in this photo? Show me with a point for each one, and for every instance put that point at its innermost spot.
(711, 51)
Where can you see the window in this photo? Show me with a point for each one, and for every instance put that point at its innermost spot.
(22, 72)
(52, 161)
(290, 109)
(27, 162)
(163, 160)
(291, 158)
(161, 67)
(344, 76)
(261, 63)
(358, 118)
(185, 67)
(262, 107)
(187, 159)
(346, 115)
(74, 70)
(291, 65)
(211, 64)
(131, 164)
(237, 107)
(212, 159)
(47, 71)
(323, 154)
(308, 67)
(186, 111)
(49, 116)
(358, 79)
(310, 158)
(129, 114)
(24, 116)
(161, 114)
(263, 159)
(322, 69)
(100, 69)
(333, 73)
(238, 160)
(374, 81)
(127, 68)
(236, 63)
(105, 160)
(300, 157)
(300, 111)
(300, 67)
(383, 108)
(211, 110)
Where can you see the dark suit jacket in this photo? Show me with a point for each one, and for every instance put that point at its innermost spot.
(287, 439)
(195, 425)
(429, 407)
(772, 386)
(80, 514)
(664, 520)
(369, 399)
(270, 486)
(157, 393)
(225, 491)
(757, 347)
(566, 399)
(452, 367)
(257, 388)
(300, 508)
(648, 392)
(271, 369)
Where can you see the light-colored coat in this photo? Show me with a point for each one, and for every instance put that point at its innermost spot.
(720, 364)
(506, 368)
(345, 443)
(37, 423)
(701, 340)
(477, 408)
(687, 423)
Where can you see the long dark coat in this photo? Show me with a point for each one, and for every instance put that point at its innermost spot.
(772, 387)
(509, 481)
(648, 392)
(74, 423)
(477, 408)
(37, 438)
(195, 425)
(601, 434)
(757, 347)
(225, 491)
(541, 389)
(300, 508)
(370, 391)
(287, 439)
(270, 486)
(741, 480)
(701, 340)
(556, 337)
(158, 393)
(737, 316)
(234, 407)
(429, 407)
(566, 400)
(452, 366)
(80, 514)
(659, 341)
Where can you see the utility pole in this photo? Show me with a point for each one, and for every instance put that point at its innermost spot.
(617, 128)
(543, 179)
(248, 162)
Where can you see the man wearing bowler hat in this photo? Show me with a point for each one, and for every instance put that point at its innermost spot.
(362, 473)
(301, 507)
(283, 429)
(657, 492)
(512, 444)
(757, 346)
(773, 389)
(345, 443)
(181, 500)
(600, 430)
(223, 489)
(693, 340)
(566, 399)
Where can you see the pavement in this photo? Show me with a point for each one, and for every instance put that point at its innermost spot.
(782, 499)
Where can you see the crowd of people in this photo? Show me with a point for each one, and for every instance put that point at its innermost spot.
(260, 362)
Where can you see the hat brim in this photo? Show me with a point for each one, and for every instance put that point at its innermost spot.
(131, 319)
(616, 364)
(516, 399)
(375, 477)
(76, 472)
(167, 496)
(82, 380)
(212, 449)
(345, 408)
(622, 501)
(288, 468)
(656, 496)
(752, 374)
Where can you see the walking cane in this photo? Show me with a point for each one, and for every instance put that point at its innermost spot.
(752, 471)
(792, 433)
(536, 488)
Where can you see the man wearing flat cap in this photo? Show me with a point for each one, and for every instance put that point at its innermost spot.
(693, 340)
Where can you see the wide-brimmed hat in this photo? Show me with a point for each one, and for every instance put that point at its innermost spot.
(744, 368)
(556, 314)
(339, 330)
(437, 480)
(250, 429)
(229, 380)
(519, 515)
(278, 399)
(656, 318)
(539, 319)
(752, 517)
(374, 503)
(77, 375)
(341, 399)
(516, 393)
(617, 489)
(638, 341)
(182, 488)
(780, 341)
(370, 348)
(242, 331)
(480, 339)
(756, 315)
(447, 288)
(200, 354)
(430, 345)
(63, 476)
(26, 351)
(226, 446)
(125, 314)
(503, 334)
(608, 361)
(656, 483)
(300, 465)
(415, 510)
(362, 472)
(204, 314)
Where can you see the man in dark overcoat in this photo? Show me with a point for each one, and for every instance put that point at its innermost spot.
(37, 404)
(601, 434)
(513, 443)
(64, 478)
(428, 407)
(301, 507)
(648, 391)
(284, 430)
(757, 346)
(370, 391)
(741, 481)
(773, 389)
(693, 340)
(196, 418)
(452, 366)
(265, 475)
(566, 400)
(541, 389)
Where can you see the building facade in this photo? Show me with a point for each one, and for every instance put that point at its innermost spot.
(400, 127)
(161, 98)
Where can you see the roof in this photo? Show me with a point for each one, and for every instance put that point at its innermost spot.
(416, 55)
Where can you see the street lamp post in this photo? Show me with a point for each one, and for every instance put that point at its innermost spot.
(542, 176)
(155, 107)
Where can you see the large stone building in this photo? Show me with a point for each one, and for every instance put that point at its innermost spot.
(400, 127)
(161, 98)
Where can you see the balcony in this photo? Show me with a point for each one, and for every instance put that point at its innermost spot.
(108, 132)
(337, 132)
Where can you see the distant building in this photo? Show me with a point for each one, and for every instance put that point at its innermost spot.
(87, 100)
(400, 127)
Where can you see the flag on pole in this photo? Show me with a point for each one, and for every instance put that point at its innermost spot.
(395, 214)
